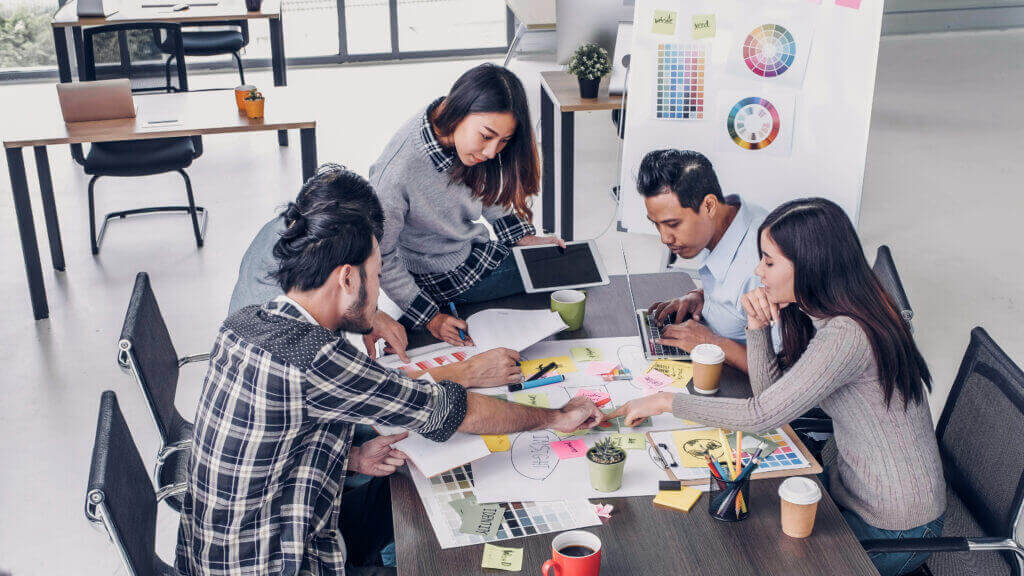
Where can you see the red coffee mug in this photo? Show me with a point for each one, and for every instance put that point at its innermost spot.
(574, 553)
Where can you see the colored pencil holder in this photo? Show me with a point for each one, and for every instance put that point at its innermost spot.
(729, 501)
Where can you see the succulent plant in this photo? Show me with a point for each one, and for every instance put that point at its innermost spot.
(590, 62)
(606, 452)
(254, 94)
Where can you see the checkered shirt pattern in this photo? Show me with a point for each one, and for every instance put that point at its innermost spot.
(271, 442)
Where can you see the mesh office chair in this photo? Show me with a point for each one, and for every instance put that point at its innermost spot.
(232, 36)
(131, 51)
(145, 351)
(979, 436)
(120, 495)
(885, 270)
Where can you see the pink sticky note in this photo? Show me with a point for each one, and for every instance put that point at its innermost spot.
(654, 380)
(604, 510)
(596, 396)
(598, 368)
(855, 4)
(566, 449)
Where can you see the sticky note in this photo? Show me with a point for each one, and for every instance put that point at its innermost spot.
(538, 399)
(566, 449)
(585, 354)
(564, 366)
(460, 504)
(629, 441)
(855, 4)
(604, 510)
(654, 381)
(498, 558)
(680, 372)
(664, 22)
(596, 396)
(482, 519)
(691, 445)
(681, 500)
(703, 26)
(497, 442)
(598, 368)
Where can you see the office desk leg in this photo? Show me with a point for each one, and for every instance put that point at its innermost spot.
(307, 136)
(49, 208)
(27, 233)
(60, 45)
(547, 141)
(567, 150)
(278, 62)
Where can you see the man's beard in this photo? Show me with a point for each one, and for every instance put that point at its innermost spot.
(355, 319)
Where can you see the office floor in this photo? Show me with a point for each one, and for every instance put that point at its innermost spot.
(942, 189)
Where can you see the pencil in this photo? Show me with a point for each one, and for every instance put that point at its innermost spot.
(727, 451)
(739, 450)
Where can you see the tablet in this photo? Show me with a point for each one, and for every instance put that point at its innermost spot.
(545, 268)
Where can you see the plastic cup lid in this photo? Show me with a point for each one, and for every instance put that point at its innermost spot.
(707, 354)
(799, 491)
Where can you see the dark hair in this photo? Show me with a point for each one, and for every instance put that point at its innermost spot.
(832, 278)
(516, 175)
(686, 173)
(331, 223)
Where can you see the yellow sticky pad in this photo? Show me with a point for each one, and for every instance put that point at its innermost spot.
(565, 366)
(497, 442)
(538, 399)
(681, 500)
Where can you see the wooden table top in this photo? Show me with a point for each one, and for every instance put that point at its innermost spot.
(639, 538)
(131, 11)
(196, 114)
(564, 90)
(534, 14)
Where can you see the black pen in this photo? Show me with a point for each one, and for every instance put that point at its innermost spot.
(542, 371)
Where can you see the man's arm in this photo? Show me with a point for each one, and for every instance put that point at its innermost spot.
(486, 415)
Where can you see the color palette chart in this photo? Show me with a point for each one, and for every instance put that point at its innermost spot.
(753, 123)
(521, 518)
(769, 50)
(680, 88)
(785, 456)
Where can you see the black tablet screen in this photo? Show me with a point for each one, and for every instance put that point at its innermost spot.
(549, 268)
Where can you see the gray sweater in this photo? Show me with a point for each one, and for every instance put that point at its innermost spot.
(430, 223)
(888, 469)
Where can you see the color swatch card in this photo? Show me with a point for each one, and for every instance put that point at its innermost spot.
(776, 48)
(680, 84)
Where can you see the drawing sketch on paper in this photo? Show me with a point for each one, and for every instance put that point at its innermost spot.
(680, 87)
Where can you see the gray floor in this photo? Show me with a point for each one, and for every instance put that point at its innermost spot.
(942, 189)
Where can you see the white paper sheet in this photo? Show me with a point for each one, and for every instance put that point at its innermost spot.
(515, 329)
(432, 458)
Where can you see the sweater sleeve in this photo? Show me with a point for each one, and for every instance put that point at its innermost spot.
(396, 280)
(762, 363)
(835, 356)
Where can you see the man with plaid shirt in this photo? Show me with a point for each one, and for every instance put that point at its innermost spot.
(273, 430)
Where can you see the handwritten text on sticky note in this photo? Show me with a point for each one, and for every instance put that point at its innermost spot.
(664, 22)
(596, 396)
(654, 381)
(566, 449)
(703, 26)
(499, 558)
(585, 354)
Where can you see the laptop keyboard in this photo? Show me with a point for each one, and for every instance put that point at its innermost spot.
(656, 348)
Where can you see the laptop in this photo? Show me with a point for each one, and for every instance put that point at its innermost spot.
(650, 330)
(97, 100)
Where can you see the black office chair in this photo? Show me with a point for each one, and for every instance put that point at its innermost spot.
(120, 495)
(130, 46)
(979, 436)
(145, 351)
(885, 270)
(232, 36)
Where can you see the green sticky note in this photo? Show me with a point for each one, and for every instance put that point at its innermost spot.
(703, 26)
(482, 519)
(538, 399)
(498, 558)
(664, 22)
(460, 504)
(585, 354)
(631, 441)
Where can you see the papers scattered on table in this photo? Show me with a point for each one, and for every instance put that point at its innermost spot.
(432, 458)
(498, 558)
(515, 329)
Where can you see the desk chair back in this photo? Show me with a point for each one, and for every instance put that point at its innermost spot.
(885, 270)
(134, 51)
(120, 495)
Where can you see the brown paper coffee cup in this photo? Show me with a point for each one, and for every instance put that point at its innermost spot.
(707, 367)
(799, 497)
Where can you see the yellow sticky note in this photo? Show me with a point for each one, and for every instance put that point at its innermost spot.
(681, 500)
(680, 372)
(497, 442)
(630, 441)
(692, 444)
(538, 399)
(510, 559)
(703, 26)
(564, 366)
(583, 354)
(664, 22)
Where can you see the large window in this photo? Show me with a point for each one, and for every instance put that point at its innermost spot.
(26, 42)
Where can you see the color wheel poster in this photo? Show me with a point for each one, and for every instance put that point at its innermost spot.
(771, 47)
(755, 121)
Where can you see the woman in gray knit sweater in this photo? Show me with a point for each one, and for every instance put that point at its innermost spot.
(845, 349)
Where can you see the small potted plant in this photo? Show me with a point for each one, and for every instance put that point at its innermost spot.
(254, 104)
(607, 461)
(589, 63)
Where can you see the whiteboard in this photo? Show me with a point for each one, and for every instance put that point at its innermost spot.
(823, 99)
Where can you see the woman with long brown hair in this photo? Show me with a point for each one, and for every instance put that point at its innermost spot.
(467, 155)
(845, 349)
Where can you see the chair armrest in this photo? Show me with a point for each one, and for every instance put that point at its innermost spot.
(171, 490)
(172, 448)
(889, 546)
(193, 358)
(812, 425)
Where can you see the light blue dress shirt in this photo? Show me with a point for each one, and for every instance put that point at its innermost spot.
(727, 273)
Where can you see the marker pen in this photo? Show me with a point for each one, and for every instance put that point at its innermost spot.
(536, 383)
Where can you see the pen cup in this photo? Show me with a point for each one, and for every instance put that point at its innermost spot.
(571, 305)
(729, 501)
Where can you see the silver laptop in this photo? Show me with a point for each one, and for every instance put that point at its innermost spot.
(97, 100)
(650, 330)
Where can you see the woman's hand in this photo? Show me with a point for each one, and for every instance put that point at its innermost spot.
(540, 241)
(760, 310)
(445, 327)
(636, 411)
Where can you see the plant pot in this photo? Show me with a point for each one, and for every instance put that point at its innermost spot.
(253, 5)
(606, 477)
(588, 88)
(254, 108)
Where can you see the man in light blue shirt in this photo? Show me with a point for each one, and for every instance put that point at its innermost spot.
(685, 203)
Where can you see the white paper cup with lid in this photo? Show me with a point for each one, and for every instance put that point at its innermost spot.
(800, 497)
(707, 367)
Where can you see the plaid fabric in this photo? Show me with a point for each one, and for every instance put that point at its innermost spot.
(441, 158)
(271, 442)
(512, 229)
